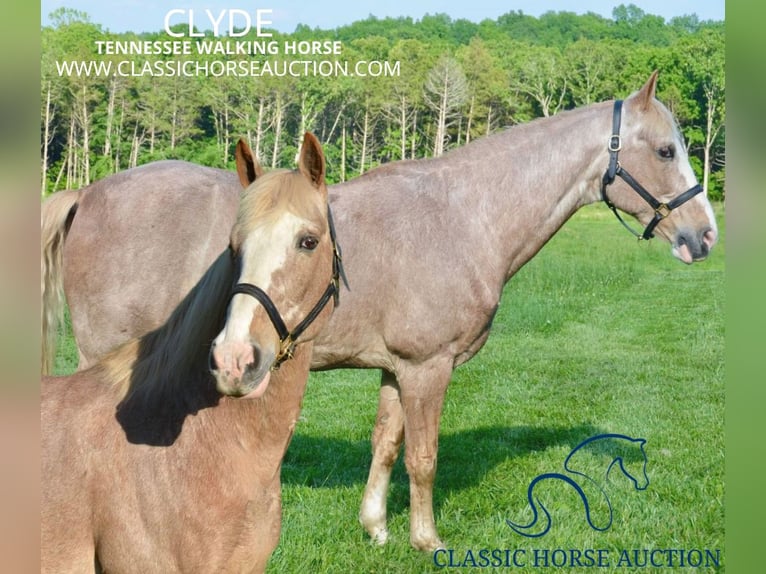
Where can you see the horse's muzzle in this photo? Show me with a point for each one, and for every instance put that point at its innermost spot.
(694, 246)
(240, 369)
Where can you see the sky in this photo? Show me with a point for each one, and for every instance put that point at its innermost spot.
(148, 15)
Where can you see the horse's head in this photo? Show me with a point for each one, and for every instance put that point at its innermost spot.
(284, 247)
(632, 464)
(650, 158)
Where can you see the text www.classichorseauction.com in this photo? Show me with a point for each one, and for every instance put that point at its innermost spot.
(582, 557)
(251, 58)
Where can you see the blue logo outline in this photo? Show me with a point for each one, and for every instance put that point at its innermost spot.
(523, 529)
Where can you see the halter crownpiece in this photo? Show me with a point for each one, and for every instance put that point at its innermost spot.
(288, 339)
(661, 210)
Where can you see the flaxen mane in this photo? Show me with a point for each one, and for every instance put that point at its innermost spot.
(160, 361)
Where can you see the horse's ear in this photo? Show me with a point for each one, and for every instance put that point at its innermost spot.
(248, 167)
(311, 162)
(646, 94)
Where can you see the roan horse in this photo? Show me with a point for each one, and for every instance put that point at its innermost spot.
(431, 243)
(151, 461)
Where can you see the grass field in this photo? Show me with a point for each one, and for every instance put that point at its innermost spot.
(595, 335)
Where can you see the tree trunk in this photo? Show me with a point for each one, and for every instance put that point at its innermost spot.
(151, 134)
(174, 120)
(441, 123)
(259, 128)
(365, 129)
(135, 145)
(46, 139)
(118, 137)
(70, 154)
(110, 118)
(226, 135)
(489, 119)
(278, 119)
(413, 141)
(470, 120)
(343, 153)
(403, 123)
(338, 118)
(711, 133)
(85, 139)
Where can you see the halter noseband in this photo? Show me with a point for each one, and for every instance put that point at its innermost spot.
(287, 338)
(661, 210)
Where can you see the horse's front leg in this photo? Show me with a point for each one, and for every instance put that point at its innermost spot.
(386, 442)
(422, 393)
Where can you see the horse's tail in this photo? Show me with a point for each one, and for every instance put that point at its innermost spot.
(56, 216)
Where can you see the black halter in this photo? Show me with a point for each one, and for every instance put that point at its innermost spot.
(661, 210)
(287, 338)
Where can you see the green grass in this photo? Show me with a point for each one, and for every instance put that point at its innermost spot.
(595, 335)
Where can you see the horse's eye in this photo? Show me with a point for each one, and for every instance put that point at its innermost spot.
(667, 152)
(309, 243)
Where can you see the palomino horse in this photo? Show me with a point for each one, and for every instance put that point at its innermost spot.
(431, 243)
(152, 462)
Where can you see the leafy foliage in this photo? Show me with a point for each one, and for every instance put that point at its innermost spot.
(511, 70)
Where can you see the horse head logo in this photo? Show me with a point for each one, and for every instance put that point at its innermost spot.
(616, 445)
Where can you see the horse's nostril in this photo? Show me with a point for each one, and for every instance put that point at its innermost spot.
(251, 375)
(212, 365)
(709, 238)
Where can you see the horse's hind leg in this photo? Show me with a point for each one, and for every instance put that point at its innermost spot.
(422, 393)
(386, 441)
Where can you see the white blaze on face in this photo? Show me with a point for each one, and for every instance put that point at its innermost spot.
(690, 181)
(264, 252)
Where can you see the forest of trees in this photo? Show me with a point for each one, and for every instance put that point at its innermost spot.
(458, 80)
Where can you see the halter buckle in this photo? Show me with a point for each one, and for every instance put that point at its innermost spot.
(286, 351)
(615, 143)
(662, 210)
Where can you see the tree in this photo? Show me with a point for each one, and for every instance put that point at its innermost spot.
(592, 70)
(73, 36)
(706, 69)
(458, 81)
(486, 86)
(540, 73)
(445, 92)
(407, 92)
(51, 90)
(368, 96)
(632, 23)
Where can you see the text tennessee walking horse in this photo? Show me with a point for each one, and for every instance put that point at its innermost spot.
(146, 467)
(431, 243)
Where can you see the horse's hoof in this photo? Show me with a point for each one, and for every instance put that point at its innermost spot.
(380, 537)
(428, 545)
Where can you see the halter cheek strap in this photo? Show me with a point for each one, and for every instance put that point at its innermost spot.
(661, 210)
(287, 338)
